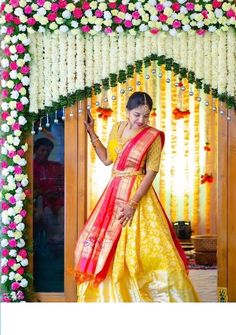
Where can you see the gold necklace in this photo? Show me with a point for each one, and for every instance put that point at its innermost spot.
(122, 141)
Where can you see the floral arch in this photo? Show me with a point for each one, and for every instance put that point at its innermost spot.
(104, 43)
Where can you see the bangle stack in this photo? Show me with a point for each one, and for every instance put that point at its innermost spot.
(133, 204)
(95, 140)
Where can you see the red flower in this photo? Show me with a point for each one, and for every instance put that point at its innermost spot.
(52, 16)
(13, 66)
(123, 8)
(163, 17)
(216, 4)
(112, 5)
(9, 17)
(31, 21)
(20, 48)
(154, 31)
(231, 13)
(5, 75)
(28, 9)
(86, 5)
(176, 6)
(78, 13)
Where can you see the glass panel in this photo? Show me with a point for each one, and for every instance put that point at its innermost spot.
(48, 214)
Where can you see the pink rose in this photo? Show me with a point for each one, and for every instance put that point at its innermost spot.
(123, 8)
(98, 13)
(163, 17)
(16, 20)
(20, 270)
(54, 7)
(12, 244)
(23, 253)
(108, 30)
(40, 2)
(136, 15)
(86, 5)
(12, 225)
(159, 7)
(23, 213)
(230, 13)
(112, 5)
(2, 182)
(9, 17)
(20, 152)
(128, 23)
(5, 75)
(18, 86)
(190, 6)
(201, 32)
(5, 252)
(4, 164)
(154, 31)
(216, 4)
(15, 286)
(2, 141)
(17, 169)
(28, 9)
(176, 6)
(7, 51)
(20, 295)
(19, 106)
(62, 3)
(11, 154)
(5, 115)
(13, 66)
(6, 299)
(11, 261)
(205, 14)
(10, 30)
(5, 270)
(16, 126)
(5, 93)
(5, 206)
(78, 13)
(25, 69)
(31, 21)
(12, 200)
(4, 230)
(20, 48)
(52, 16)
(14, 3)
(117, 20)
(85, 29)
(176, 24)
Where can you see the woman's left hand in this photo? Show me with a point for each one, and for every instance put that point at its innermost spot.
(126, 215)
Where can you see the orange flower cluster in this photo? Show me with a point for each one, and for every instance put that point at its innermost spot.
(104, 113)
(206, 178)
(207, 147)
(179, 114)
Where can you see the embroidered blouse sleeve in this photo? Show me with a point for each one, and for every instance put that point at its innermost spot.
(154, 155)
(112, 143)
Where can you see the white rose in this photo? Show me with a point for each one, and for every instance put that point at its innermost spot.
(66, 14)
(14, 94)
(5, 128)
(218, 12)
(11, 186)
(84, 20)
(3, 30)
(63, 28)
(59, 20)
(165, 27)
(26, 42)
(186, 27)
(12, 104)
(41, 11)
(107, 15)
(20, 226)
(41, 29)
(22, 162)
(97, 28)
(70, 7)
(22, 91)
(93, 4)
(4, 278)
(17, 235)
(119, 29)
(21, 243)
(10, 84)
(13, 253)
(24, 262)
(19, 190)
(25, 81)
(24, 182)
(4, 261)
(4, 243)
(24, 100)
(4, 152)
(11, 275)
(15, 267)
(22, 27)
(18, 277)
(27, 58)
(143, 27)
(18, 11)
(24, 283)
(11, 211)
(19, 258)
(53, 26)
(16, 141)
(5, 106)
(47, 5)
(88, 13)
(212, 29)
(18, 218)
(5, 62)
(12, 49)
(4, 83)
(17, 132)
(10, 233)
(74, 24)
(5, 172)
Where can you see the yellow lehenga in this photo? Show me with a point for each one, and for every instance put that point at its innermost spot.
(147, 266)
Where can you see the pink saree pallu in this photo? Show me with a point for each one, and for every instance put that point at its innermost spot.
(97, 242)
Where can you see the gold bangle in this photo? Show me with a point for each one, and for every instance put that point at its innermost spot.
(96, 139)
(133, 204)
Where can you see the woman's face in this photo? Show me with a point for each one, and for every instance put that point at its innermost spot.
(138, 117)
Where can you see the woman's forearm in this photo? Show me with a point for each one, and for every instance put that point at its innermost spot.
(100, 149)
(144, 186)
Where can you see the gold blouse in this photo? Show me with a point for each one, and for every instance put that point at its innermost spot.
(151, 160)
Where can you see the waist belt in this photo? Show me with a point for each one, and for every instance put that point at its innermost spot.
(127, 173)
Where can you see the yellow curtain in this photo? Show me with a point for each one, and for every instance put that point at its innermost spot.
(184, 159)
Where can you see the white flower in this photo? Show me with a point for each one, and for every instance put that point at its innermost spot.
(14, 94)
(22, 120)
(5, 128)
(4, 261)
(10, 83)
(4, 278)
(18, 277)
(3, 83)
(25, 81)
(41, 29)
(167, 4)
(5, 62)
(4, 243)
(165, 27)
(66, 14)
(218, 12)
(200, 24)
(97, 28)
(11, 275)
(74, 24)
(88, 13)
(24, 262)
(119, 29)
(13, 253)
(24, 100)
(3, 30)
(63, 28)
(186, 27)
(22, 27)
(18, 11)
(107, 15)
(17, 133)
(41, 11)
(17, 234)
(19, 258)
(12, 49)
(173, 32)
(24, 283)
(5, 106)
(26, 42)
(10, 233)
(20, 226)
(18, 218)
(21, 243)
(143, 27)
(13, 296)
(15, 267)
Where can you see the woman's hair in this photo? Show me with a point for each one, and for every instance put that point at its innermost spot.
(43, 141)
(138, 99)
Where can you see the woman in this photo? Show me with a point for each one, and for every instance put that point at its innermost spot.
(127, 251)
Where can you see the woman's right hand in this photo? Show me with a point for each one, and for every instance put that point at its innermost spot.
(89, 122)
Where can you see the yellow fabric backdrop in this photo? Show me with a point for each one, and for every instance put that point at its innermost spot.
(184, 159)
